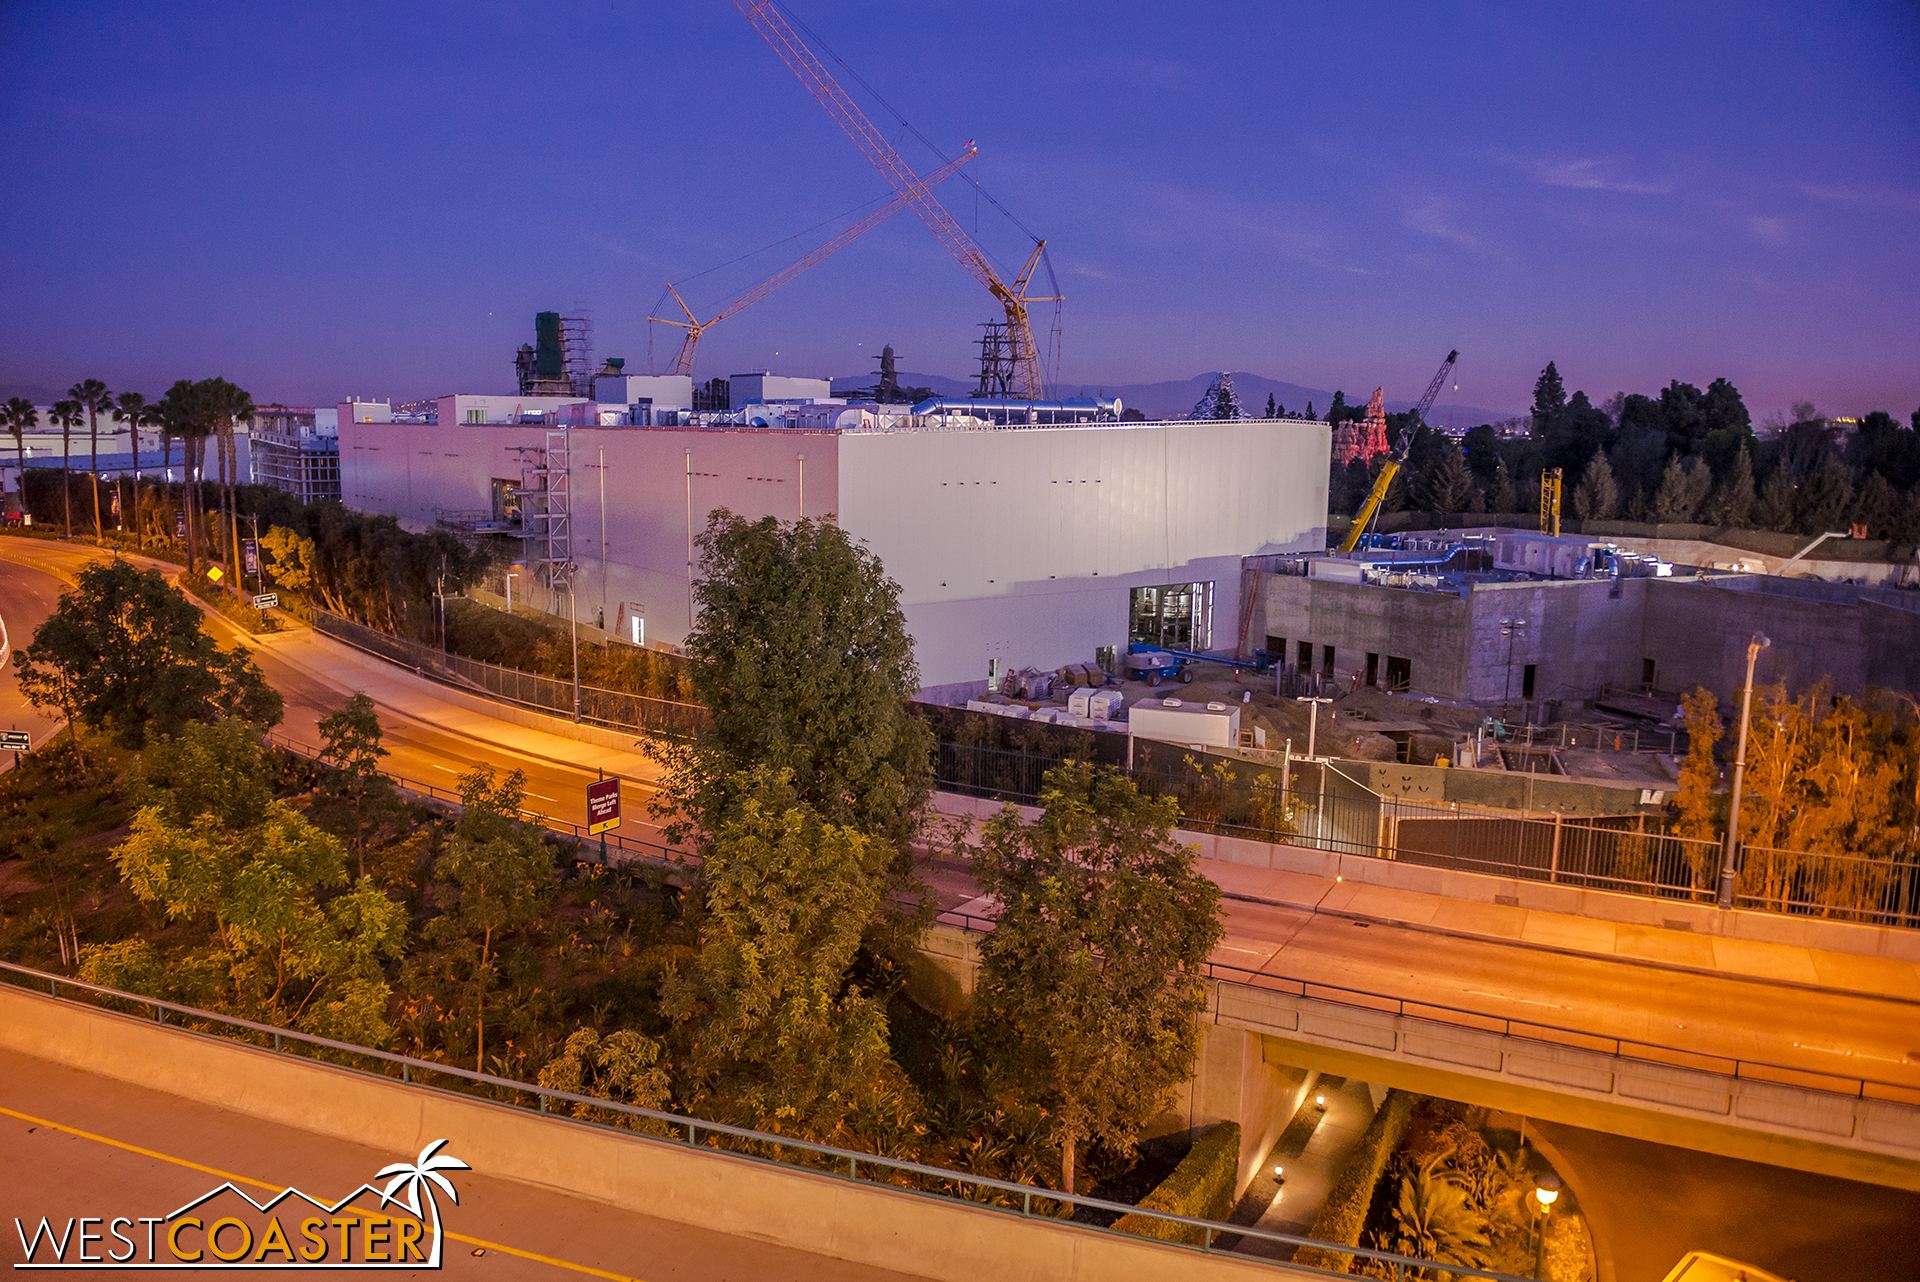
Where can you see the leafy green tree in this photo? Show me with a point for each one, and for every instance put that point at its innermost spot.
(1595, 498)
(624, 1066)
(352, 736)
(1700, 808)
(92, 396)
(495, 876)
(270, 934)
(124, 651)
(1092, 977)
(68, 415)
(801, 655)
(21, 417)
(782, 1039)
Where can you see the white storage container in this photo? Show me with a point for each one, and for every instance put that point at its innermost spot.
(1102, 704)
(1172, 721)
(1077, 702)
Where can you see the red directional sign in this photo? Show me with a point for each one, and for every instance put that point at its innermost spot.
(603, 806)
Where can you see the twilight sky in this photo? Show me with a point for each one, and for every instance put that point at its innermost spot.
(374, 199)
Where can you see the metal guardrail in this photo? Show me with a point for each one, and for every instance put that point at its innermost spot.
(651, 850)
(1002, 1196)
(613, 709)
(1532, 1030)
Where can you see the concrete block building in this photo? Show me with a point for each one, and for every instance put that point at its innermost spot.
(1516, 616)
(1012, 545)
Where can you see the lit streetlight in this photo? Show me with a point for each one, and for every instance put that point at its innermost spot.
(1754, 647)
(1546, 1190)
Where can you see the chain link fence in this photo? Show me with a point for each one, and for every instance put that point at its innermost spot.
(613, 709)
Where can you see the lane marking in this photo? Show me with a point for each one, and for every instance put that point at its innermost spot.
(1524, 1001)
(275, 1188)
(1834, 1050)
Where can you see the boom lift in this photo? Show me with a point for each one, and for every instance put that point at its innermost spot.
(684, 363)
(779, 33)
(1364, 517)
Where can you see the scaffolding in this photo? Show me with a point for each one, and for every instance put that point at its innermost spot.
(996, 361)
(546, 513)
(576, 351)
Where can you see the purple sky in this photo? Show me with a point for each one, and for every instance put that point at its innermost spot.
(317, 201)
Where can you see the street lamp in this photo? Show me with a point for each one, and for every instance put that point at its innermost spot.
(1546, 1190)
(1754, 647)
(1313, 718)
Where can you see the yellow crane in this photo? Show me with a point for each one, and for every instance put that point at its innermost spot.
(1550, 502)
(1364, 517)
(683, 364)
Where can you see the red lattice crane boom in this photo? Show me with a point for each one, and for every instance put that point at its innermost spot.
(695, 328)
(779, 33)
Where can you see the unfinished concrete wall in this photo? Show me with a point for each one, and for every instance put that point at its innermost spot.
(1235, 1081)
(1429, 629)
(1700, 630)
(1579, 635)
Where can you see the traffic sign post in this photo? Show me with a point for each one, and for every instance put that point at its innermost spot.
(16, 741)
(603, 806)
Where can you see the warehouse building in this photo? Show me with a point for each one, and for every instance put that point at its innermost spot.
(1513, 616)
(1013, 546)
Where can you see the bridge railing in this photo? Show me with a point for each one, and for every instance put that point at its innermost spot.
(1531, 1030)
(736, 1142)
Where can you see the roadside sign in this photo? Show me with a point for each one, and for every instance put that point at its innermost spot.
(250, 553)
(215, 573)
(16, 741)
(179, 525)
(266, 601)
(603, 806)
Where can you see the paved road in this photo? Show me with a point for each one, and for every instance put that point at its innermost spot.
(78, 1145)
(1849, 1035)
(26, 599)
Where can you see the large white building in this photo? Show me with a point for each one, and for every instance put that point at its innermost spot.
(1013, 546)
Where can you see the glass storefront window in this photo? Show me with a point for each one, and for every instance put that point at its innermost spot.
(1178, 616)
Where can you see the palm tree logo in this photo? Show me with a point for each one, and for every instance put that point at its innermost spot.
(412, 1179)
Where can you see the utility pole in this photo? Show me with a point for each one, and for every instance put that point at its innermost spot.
(574, 619)
(1760, 642)
(1313, 718)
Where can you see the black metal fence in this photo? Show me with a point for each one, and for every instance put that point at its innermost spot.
(614, 709)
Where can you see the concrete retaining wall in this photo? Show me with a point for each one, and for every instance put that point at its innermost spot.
(886, 1228)
(1538, 896)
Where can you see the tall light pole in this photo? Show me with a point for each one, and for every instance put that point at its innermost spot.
(1754, 647)
(1313, 717)
(1510, 628)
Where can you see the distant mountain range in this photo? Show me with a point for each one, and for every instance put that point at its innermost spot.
(1175, 398)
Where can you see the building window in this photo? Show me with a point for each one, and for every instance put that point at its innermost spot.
(1277, 649)
(1373, 669)
(1526, 682)
(1304, 659)
(1326, 661)
(476, 418)
(1399, 673)
(1178, 616)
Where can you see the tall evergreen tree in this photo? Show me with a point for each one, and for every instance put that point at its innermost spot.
(1595, 498)
(1549, 398)
(1828, 498)
(1733, 502)
(1502, 498)
(1773, 510)
(1683, 488)
(1445, 483)
(1270, 406)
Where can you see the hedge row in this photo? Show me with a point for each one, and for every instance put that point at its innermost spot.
(1344, 1214)
(1200, 1187)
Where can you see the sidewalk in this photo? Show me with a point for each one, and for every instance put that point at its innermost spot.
(1567, 934)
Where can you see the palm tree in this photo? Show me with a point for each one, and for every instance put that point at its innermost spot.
(183, 411)
(92, 395)
(20, 417)
(231, 404)
(1434, 1219)
(132, 408)
(420, 1176)
(67, 415)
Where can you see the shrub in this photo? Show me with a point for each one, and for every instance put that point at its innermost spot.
(1344, 1214)
(1200, 1187)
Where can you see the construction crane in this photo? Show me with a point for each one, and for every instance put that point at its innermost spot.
(1014, 299)
(683, 364)
(1364, 517)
